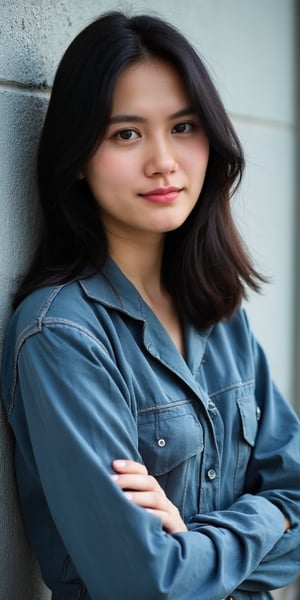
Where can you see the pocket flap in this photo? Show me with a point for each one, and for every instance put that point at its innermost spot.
(166, 440)
(248, 412)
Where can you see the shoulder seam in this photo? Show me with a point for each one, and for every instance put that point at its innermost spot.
(33, 329)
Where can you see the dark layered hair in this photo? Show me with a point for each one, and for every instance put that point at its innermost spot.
(206, 267)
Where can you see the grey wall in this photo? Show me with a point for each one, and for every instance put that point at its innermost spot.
(250, 50)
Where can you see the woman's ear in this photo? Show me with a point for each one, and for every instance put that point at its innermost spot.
(81, 175)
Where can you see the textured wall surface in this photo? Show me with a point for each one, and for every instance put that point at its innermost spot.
(250, 50)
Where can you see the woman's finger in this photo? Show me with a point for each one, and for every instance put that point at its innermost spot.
(161, 507)
(149, 499)
(138, 482)
(129, 466)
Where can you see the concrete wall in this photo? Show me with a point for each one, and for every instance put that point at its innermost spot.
(250, 49)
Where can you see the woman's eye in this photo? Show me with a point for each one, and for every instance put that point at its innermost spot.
(183, 128)
(126, 134)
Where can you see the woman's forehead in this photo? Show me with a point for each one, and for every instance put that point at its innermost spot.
(149, 85)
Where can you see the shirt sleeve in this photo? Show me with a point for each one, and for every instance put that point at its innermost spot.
(80, 418)
(273, 473)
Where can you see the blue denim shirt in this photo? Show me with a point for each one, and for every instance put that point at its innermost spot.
(90, 375)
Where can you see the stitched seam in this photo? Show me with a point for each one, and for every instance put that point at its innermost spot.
(233, 386)
(73, 325)
(159, 407)
(27, 333)
(170, 465)
(32, 330)
(47, 303)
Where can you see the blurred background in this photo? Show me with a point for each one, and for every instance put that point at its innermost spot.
(251, 49)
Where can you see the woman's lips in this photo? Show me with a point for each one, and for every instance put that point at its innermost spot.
(162, 195)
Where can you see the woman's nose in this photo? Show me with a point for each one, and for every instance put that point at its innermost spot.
(161, 159)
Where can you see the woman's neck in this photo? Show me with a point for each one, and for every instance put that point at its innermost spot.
(141, 263)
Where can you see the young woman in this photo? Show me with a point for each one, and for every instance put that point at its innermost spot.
(154, 456)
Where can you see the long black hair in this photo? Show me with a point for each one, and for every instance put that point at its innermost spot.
(205, 267)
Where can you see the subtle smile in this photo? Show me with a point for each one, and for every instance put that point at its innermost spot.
(162, 195)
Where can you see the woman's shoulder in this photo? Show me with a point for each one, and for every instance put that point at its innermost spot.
(47, 302)
(55, 304)
(64, 313)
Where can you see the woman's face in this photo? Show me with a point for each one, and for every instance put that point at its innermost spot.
(148, 171)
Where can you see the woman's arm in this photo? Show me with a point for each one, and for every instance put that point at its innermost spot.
(146, 492)
(143, 490)
(78, 419)
(274, 473)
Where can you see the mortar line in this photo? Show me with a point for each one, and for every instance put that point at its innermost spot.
(238, 117)
(25, 87)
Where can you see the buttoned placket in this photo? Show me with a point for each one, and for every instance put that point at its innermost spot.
(157, 344)
(209, 480)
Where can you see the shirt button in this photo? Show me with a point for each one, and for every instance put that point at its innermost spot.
(161, 442)
(211, 474)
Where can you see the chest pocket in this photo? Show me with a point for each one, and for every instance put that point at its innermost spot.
(171, 444)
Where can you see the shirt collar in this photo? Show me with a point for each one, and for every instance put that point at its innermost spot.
(110, 287)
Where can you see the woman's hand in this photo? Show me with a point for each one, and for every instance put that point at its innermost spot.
(143, 490)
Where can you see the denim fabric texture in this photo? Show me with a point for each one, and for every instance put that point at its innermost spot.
(90, 375)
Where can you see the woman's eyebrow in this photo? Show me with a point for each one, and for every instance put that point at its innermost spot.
(139, 119)
(184, 112)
